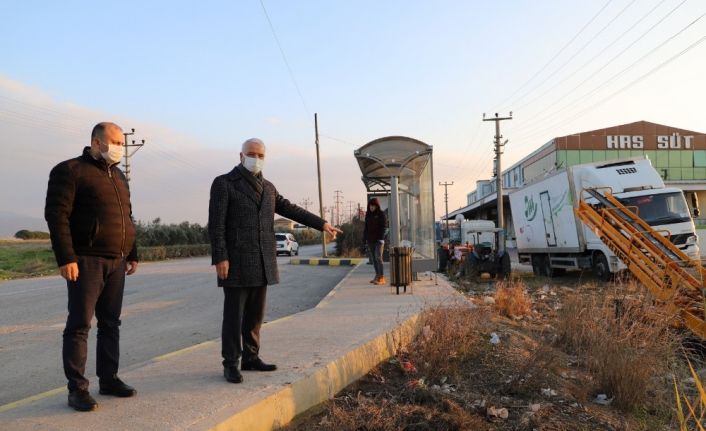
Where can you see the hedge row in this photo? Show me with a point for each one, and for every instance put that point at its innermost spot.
(31, 234)
(173, 251)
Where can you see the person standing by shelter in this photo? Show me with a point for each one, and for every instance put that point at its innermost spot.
(374, 236)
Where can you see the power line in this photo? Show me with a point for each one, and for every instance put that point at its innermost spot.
(343, 141)
(531, 124)
(557, 54)
(551, 75)
(40, 107)
(284, 57)
(642, 77)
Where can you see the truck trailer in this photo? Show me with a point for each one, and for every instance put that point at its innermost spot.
(552, 239)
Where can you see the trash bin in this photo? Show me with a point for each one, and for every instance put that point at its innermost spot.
(401, 267)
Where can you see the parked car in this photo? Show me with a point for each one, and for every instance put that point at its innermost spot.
(287, 244)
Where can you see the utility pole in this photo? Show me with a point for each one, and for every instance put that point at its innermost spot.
(499, 176)
(305, 203)
(351, 205)
(338, 199)
(446, 200)
(126, 163)
(318, 172)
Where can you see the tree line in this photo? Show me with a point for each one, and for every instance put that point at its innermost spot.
(157, 234)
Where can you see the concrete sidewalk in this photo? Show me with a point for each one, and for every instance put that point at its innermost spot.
(319, 352)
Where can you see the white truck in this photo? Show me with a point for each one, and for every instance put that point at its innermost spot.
(552, 239)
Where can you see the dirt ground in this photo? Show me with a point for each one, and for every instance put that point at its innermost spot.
(486, 369)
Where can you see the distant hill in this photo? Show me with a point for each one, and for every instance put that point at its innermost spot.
(12, 222)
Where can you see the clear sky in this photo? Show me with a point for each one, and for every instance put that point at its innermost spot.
(198, 78)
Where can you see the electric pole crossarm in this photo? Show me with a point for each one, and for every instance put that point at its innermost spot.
(127, 156)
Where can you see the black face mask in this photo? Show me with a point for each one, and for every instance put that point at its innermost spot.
(372, 208)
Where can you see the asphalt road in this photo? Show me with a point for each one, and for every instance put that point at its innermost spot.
(167, 306)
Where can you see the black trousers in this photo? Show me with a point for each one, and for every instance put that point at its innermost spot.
(99, 291)
(243, 313)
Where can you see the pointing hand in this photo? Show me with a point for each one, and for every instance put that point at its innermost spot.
(329, 229)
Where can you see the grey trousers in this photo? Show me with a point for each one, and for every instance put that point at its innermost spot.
(243, 314)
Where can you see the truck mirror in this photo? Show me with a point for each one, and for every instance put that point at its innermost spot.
(695, 204)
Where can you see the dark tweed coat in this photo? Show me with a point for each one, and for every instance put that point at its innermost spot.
(243, 233)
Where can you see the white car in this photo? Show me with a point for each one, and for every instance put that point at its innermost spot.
(287, 244)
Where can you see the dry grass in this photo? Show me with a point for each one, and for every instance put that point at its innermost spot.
(511, 299)
(449, 338)
(571, 345)
(691, 409)
(365, 413)
(352, 253)
(626, 344)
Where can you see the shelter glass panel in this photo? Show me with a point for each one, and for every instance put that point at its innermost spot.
(417, 213)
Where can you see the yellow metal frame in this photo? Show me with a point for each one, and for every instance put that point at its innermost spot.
(676, 283)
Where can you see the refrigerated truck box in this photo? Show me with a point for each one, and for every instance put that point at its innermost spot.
(552, 239)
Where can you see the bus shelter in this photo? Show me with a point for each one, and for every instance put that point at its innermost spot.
(399, 170)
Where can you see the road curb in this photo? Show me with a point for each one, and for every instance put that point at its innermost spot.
(282, 407)
(327, 262)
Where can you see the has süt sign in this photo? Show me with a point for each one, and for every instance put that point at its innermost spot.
(675, 141)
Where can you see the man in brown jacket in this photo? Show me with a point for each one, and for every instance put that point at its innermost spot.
(244, 250)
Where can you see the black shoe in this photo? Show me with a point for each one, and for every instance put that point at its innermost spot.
(257, 365)
(82, 401)
(114, 386)
(232, 374)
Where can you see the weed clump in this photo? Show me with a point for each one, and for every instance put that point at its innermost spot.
(625, 343)
(511, 299)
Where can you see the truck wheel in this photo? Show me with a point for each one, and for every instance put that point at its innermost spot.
(600, 267)
(505, 267)
(547, 266)
(536, 265)
(471, 267)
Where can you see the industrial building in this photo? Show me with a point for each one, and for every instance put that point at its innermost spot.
(678, 155)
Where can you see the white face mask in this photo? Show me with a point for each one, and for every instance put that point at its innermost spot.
(253, 164)
(113, 155)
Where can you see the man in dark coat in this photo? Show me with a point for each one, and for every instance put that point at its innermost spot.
(93, 237)
(244, 250)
